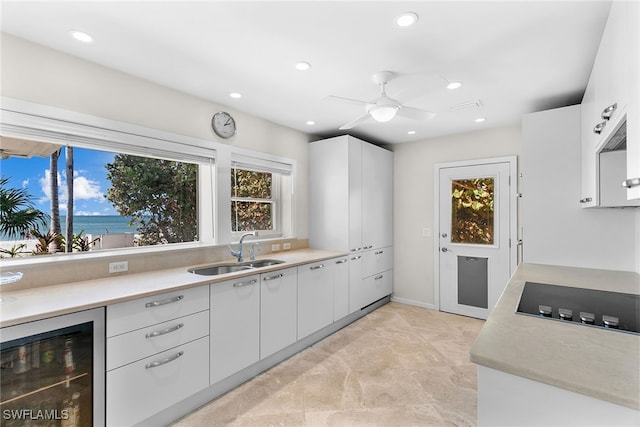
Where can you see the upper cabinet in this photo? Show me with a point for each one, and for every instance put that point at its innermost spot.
(351, 195)
(610, 116)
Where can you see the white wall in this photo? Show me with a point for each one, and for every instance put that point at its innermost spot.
(37, 74)
(556, 230)
(414, 201)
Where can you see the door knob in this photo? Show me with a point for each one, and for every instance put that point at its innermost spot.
(444, 250)
(444, 234)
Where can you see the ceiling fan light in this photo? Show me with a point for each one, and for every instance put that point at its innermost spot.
(383, 113)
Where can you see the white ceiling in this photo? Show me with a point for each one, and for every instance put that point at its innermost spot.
(515, 57)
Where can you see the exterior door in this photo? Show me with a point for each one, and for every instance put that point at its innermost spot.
(475, 226)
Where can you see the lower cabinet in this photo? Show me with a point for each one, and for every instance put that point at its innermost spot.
(375, 280)
(315, 297)
(157, 353)
(278, 310)
(340, 288)
(235, 326)
(145, 387)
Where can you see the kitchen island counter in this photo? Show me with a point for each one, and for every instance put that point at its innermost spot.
(591, 361)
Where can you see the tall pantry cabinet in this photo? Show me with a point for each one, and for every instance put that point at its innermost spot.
(351, 210)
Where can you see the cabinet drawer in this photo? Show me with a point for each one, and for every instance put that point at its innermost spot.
(143, 388)
(376, 261)
(145, 342)
(142, 312)
(379, 285)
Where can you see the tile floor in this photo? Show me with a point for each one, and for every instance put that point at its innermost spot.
(398, 366)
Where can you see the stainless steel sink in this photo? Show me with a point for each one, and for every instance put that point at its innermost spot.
(262, 263)
(213, 270)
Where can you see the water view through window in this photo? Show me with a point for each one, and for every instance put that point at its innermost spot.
(119, 200)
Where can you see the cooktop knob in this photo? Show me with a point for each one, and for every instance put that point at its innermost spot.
(565, 314)
(610, 321)
(587, 318)
(544, 310)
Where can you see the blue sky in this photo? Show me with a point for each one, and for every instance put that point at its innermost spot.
(90, 183)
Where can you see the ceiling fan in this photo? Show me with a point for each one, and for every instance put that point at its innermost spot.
(384, 109)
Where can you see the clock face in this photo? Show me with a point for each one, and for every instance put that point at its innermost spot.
(223, 125)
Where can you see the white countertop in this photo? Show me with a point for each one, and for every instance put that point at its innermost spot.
(592, 361)
(27, 305)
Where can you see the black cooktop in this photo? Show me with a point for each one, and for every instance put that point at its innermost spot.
(601, 309)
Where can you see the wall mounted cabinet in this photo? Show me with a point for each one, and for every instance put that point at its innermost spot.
(611, 114)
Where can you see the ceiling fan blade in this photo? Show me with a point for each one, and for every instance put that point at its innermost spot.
(353, 101)
(415, 113)
(356, 122)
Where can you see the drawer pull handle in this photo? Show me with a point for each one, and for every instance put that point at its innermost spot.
(368, 247)
(356, 249)
(378, 277)
(599, 128)
(164, 301)
(277, 276)
(633, 182)
(164, 361)
(247, 283)
(164, 331)
(586, 200)
(342, 261)
(316, 267)
(356, 257)
(379, 252)
(607, 112)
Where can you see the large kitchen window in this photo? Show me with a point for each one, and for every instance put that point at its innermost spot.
(116, 199)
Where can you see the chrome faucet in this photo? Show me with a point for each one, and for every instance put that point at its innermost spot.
(240, 252)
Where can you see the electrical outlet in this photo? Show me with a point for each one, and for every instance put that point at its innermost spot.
(286, 246)
(275, 248)
(118, 267)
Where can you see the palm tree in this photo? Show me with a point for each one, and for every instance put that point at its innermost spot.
(55, 207)
(17, 212)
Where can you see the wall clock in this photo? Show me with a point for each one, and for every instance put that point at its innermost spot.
(223, 124)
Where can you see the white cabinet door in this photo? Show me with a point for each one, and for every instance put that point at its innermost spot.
(355, 282)
(329, 194)
(377, 197)
(341, 288)
(588, 145)
(633, 113)
(278, 310)
(315, 297)
(235, 326)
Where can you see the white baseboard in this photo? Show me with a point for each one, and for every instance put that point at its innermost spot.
(412, 302)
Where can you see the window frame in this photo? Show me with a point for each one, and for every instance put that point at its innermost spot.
(29, 121)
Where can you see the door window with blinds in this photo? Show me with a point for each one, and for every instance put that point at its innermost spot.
(261, 195)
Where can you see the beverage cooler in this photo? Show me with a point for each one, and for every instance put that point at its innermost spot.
(53, 370)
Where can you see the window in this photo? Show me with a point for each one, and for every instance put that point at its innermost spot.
(261, 197)
(472, 216)
(252, 203)
(118, 200)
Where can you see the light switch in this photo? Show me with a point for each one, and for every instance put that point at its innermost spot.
(426, 232)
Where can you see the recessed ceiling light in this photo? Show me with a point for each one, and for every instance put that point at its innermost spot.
(311, 122)
(235, 95)
(406, 19)
(303, 66)
(412, 132)
(480, 119)
(81, 36)
(454, 85)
